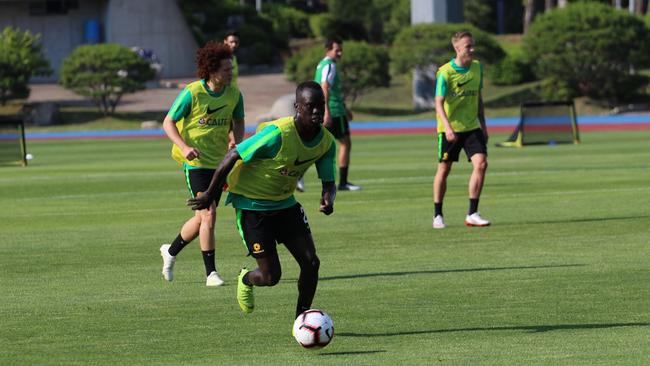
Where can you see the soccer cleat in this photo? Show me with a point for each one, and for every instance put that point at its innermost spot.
(168, 262)
(439, 222)
(213, 280)
(349, 187)
(475, 219)
(300, 186)
(245, 293)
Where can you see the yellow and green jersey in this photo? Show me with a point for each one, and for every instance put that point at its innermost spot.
(461, 87)
(326, 72)
(204, 119)
(271, 163)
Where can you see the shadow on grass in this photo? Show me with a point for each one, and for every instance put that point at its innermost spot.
(437, 271)
(351, 353)
(593, 219)
(527, 328)
(388, 111)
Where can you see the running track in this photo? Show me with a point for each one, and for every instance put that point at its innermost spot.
(585, 124)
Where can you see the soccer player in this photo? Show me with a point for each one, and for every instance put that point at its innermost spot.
(232, 40)
(262, 173)
(337, 115)
(199, 123)
(461, 125)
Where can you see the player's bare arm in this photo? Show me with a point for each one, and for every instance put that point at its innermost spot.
(213, 193)
(327, 198)
(450, 135)
(327, 118)
(169, 126)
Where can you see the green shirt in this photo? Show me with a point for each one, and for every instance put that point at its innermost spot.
(271, 163)
(204, 119)
(461, 87)
(326, 72)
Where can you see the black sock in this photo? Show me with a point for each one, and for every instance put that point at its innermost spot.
(343, 173)
(473, 205)
(208, 260)
(177, 245)
(437, 208)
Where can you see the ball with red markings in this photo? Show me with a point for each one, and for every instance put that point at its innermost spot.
(313, 329)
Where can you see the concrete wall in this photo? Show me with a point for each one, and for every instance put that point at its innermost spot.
(151, 24)
(157, 25)
(60, 33)
(436, 11)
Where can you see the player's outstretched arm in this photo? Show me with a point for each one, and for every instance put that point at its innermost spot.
(327, 198)
(213, 193)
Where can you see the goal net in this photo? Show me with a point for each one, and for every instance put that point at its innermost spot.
(545, 123)
(12, 141)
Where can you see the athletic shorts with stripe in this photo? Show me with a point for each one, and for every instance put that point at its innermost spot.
(340, 127)
(198, 180)
(263, 230)
(473, 142)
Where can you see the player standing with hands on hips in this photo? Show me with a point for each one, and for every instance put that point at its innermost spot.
(262, 173)
(461, 125)
(199, 123)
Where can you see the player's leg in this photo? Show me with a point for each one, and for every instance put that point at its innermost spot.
(476, 150)
(341, 130)
(447, 154)
(257, 231)
(303, 250)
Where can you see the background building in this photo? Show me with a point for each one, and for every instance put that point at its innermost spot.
(155, 25)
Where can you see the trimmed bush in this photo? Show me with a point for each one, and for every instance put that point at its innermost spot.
(21, 57)
(591, 49)
(105, 72)
(362, 67)
(426, 44)
(288, 20)
(512, 70)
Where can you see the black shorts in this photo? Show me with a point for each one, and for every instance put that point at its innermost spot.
(473, 142)
(198, 180)
(262, 231)
(340, 127)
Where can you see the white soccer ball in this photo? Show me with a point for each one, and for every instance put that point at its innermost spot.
(313, 329)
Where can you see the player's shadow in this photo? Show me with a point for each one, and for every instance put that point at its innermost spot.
(350, 353)
(581, 220)
(438, 271)
(526, 328)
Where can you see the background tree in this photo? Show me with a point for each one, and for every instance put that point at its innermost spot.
(424, 44)
(589, 49)
(21, 57)
(105, 72)
(363, 66)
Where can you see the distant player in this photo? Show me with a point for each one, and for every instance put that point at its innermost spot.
(199, 123)
(232, 41)
(262, 173)
(461, 125)
(337, 115)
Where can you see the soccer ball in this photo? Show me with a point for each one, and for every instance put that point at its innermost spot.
(313, 329)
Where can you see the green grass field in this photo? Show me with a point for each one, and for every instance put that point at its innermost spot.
(562, 276)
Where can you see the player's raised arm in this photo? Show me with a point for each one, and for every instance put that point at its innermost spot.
(213, 193)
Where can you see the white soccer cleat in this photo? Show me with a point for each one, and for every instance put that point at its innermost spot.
(475, 219)
(439, 222)
(168, 262)
(349, 187)
(213, 280)
(300, 186)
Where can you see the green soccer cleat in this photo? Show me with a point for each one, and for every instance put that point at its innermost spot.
(245, 296)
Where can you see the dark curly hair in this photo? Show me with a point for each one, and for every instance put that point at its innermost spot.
(208, 58)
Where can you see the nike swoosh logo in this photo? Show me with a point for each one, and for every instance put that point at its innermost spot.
(300, 162)
(210, 111)
(461, 84)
